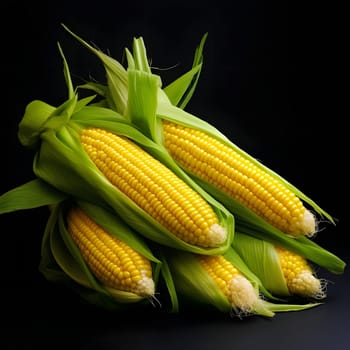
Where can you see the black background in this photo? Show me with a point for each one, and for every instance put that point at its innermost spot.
(272, 81)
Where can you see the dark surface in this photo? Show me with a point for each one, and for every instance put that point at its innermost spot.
(270, 82)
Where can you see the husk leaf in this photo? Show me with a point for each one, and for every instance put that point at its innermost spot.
(261, 258)
(181, 90)
(115, 73)
(193, 283)
(32, 194)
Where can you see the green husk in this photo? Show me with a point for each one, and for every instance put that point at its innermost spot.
(193, 283)
(33, 194)
(169, 282)
(150, 124)
(261, 257)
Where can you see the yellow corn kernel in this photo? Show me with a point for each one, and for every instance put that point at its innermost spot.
(238, 290)
(299, 275)
(223, 167)
(113, 262)
(154, 188)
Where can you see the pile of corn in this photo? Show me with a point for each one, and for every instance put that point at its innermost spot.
(150, 205)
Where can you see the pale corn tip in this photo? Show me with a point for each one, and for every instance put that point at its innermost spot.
(145, 286)
(309, 224)
(217, 235)
(243, 294)
(306, 284)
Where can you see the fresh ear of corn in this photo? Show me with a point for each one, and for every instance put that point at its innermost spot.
(223, 282)
(113, 262)
(282, 272)
(243, 184)
(194, 281)
(140, 110)
(226, 169)
(154, 188)
(94, 154)
(97, 254)
(300, 277)
(62, 261)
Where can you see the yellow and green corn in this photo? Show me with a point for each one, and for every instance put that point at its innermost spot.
(154, 188)
(299, 275)
(236, 287)
(220, 165)
(113, 262)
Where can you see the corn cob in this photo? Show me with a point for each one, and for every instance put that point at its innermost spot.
(237, 288)
(282, 272)
(299, 275)
(221, 166)
(114, 263)
(217, 281)
(94, 252)
(154, 188)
